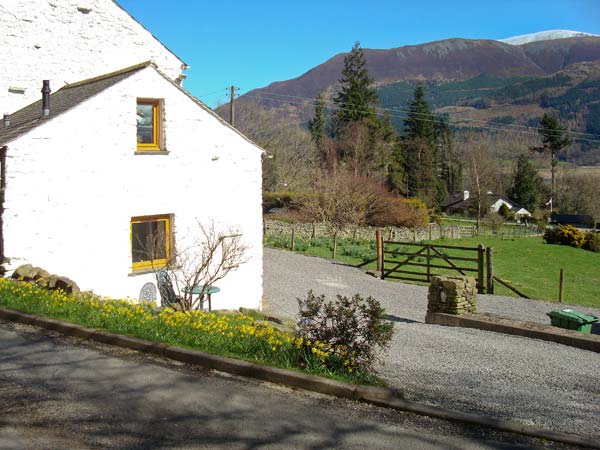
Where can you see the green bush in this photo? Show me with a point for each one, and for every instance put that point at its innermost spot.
(591, 242)
(349, 329)
(505, 212)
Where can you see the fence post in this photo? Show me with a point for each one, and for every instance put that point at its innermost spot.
(334, 243)
(381, 255)
(480, 254)
(378, 241)
(561, 286)
(490, 270)
(428, 263)
(293, 238)
(430, 226)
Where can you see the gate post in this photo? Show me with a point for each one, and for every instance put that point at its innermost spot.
(490, 270)
(480, 255)
(380, 253)
(379, 249)
(429, 263)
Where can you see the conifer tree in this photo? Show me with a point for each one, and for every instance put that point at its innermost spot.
(527, 187)
(316, 125)
(357, 97)
(450, 163)
(554, 139)
(420, 159)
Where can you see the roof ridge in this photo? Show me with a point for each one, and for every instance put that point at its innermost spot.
(108, 75)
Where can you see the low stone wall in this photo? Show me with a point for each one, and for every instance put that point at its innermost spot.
(305, 230)
(452, 295)
(430, 231)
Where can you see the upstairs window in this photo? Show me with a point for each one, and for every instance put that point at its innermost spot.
(150, 242)
(148, 124)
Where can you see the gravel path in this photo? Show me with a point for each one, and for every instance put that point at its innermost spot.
(534, 382)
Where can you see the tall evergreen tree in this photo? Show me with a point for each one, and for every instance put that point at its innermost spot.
(554, 140)
(421, 159)
(450, 163)
(357, 97)
(527, 187)
(316, 125)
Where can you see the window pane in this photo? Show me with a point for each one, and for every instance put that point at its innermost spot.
(145, 123)
(148, 241)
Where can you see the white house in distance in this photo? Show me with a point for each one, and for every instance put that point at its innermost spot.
(463, 203)
(121, 154)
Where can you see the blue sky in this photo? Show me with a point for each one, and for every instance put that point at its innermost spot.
(253, 43)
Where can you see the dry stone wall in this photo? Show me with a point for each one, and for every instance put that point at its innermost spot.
(452, 295)
(305, 230)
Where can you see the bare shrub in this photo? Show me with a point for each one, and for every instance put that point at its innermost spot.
(210, 258)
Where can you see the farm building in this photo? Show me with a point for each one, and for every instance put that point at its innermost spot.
(107, 162)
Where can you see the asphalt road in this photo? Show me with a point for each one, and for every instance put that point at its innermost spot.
(61, 393)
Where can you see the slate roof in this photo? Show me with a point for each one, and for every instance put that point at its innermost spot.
(64, 99)
(73, 94)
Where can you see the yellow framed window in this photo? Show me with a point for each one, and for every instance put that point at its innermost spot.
(150, 242)
(148, 124)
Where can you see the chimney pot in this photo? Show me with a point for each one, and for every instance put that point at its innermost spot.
(46, 98)
(6, 120)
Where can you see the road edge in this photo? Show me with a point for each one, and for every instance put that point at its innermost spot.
(378, 396)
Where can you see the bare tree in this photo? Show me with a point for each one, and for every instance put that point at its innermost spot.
(579, 194)
(189, 272)
(482, 169)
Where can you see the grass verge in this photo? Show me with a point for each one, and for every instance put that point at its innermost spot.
(236, 336)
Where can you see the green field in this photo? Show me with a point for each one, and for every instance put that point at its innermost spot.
(529, 264)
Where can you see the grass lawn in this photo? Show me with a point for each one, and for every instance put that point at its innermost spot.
(529, 264)
(533, 267)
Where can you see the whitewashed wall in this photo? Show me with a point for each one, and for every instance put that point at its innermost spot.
(74, 183)
(68, 41)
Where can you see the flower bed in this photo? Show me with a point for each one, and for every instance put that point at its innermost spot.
(237, 336)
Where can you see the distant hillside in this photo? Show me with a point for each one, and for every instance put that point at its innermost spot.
(479, 82)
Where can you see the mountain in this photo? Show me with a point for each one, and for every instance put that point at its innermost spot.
(543, 36)
(450, 59)
(486, 81)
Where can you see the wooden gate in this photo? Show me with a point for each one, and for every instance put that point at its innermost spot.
(419, 262)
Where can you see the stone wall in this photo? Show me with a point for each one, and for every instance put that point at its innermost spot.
(431, 231)
(452, 295)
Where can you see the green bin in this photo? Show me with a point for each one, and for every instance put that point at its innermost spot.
(572, 320)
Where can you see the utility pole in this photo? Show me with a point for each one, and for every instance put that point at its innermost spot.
(232, 90)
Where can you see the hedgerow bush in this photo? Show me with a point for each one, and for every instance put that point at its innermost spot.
(591, 242)
(350, 329)
(571, 236)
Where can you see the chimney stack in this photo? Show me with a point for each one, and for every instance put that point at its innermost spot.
(46, 98)
(6, 120)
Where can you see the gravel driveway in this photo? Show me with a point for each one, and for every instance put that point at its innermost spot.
(531, 381)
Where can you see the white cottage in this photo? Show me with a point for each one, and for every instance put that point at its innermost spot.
(69, 40)
(117, 154)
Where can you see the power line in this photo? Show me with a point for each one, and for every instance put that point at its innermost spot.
(404, 113)
(399, 109)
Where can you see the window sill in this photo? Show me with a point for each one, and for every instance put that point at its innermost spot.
(151, 152)
(143, 271)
